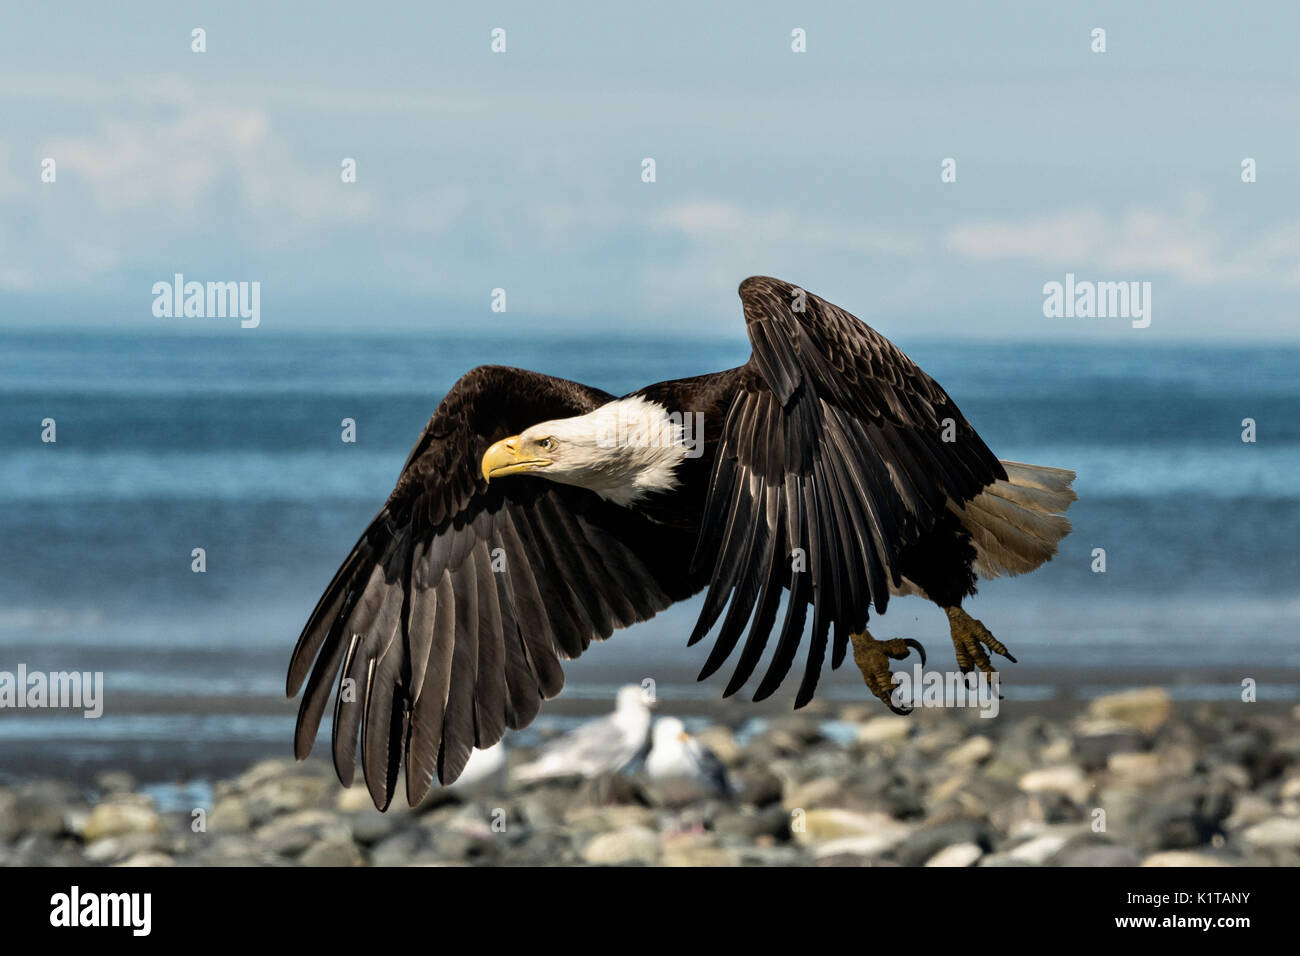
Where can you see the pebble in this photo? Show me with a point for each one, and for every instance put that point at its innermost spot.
(959, 854)
(1181, 858)
(333, 852)
(885, 730)
(635, 844)
(972, 751)
(1140, 768)
(121, 816)
(1145, 708)
(1276, 832)
(848, 786)
(1097, 854)
(1067, 780)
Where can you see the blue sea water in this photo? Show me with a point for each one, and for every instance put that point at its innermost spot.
(231, 443)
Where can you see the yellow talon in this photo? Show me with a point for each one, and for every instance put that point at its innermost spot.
(969, 638)
(873, 657)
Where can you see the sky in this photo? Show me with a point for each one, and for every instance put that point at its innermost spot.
(523, 170)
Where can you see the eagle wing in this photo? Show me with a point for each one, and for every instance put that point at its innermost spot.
(452, 613)
(832, 460)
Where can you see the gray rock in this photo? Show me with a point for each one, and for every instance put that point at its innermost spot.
(290, 793)
(23, 813)
(959, 854)
(39, 849)
(847, 858)
(148, 859)
(1093, 751)
(700, 850)
(801, 726)
(399, 849)
(888, 730)
(783, 855)
(1096, 854)
(371, 826)
(1145, 708)
(772, 821)
(970, 752)
(120, 816)
(635, 844)
(295, 833)
(230, 851)
(1183, 858)
(1067, 779)
(757, 787)
(332, 852)
(1180, 817)
(1277, 832)
(230, 813)
(1037, 850)
(922, 844)
(770, 746)
(113, 848)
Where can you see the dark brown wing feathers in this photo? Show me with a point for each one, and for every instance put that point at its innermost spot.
(452, 613)
(831, 462)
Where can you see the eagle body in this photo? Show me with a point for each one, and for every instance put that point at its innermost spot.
(535, 515)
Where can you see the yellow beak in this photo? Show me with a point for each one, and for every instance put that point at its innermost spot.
(505, 458)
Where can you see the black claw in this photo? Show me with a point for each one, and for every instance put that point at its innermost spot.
(916, 645)
(901, 711)
(1008, 655)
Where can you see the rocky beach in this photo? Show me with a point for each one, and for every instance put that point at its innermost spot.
(1124, 780)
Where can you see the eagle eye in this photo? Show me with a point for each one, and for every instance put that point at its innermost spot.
(546, 444)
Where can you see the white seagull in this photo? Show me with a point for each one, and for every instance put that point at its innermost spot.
(484, 773)
(680, 768)
(601, 746)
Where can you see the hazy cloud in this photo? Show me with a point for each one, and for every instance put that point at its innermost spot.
(1186, 244)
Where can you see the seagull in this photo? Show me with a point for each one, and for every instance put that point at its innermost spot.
(484, 773)
(601, 746)
(680, 768)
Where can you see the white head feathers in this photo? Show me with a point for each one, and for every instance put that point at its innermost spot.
(623, 451)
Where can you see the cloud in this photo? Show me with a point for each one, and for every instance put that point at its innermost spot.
(718, 243)
(184, 160)
(1186, 245)
(163, 173)
(727, 223)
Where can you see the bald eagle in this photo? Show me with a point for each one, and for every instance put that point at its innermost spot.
(535, 515)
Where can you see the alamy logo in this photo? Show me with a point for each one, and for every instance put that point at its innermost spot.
(919, 688)
(66, 690)
(208, 300)
(1098, 300)
(74, 908)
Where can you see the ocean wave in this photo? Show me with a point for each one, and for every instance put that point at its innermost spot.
(52, 474)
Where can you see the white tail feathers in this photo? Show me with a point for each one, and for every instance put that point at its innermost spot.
(1016, 524)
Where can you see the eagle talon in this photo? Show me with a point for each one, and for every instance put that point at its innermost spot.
(969, 638)
(873, 657)
(917, 646)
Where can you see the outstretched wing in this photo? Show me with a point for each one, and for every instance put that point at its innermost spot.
(834, 458)
(447, 622)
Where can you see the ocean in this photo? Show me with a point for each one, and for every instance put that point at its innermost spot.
(231, 443)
